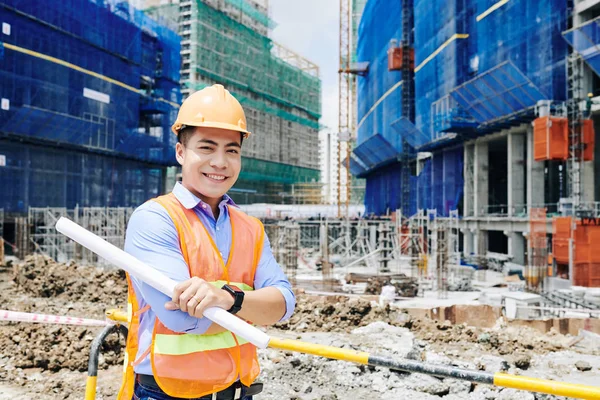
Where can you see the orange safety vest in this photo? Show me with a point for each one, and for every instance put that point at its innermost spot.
(191, 365)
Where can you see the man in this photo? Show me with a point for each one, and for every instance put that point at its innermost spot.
(221, 258)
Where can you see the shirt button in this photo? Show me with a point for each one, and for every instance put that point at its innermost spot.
(217, 228)
(203, 205)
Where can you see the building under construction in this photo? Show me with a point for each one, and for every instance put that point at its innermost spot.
(227, 42)
(88, 92)
(90, 89)
(487, 109)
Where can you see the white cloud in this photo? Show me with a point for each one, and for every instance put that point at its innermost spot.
(311, 29)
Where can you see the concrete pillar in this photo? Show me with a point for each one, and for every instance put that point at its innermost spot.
(468, 242)
(535, 175)
(481, 242)
(588, 182)
(516, 247)
(481, 178)
(468, 197)
(516, 172)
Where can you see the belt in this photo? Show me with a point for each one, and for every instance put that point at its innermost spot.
(233, 392)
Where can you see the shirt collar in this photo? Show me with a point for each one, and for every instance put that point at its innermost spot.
(189, 200)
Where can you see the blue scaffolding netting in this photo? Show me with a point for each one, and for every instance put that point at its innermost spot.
(409, 132)
(443, 44)
(380, 90)
(383, 191)
(477, 63)
(97, 84)
(79, 73)
(528, 33)
(375, 152)
(498, 93)
(585, 39)
(424, 186)
(72, 178)
(379, 100)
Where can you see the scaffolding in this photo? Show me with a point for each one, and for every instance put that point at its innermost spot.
(227, 42)
(538, 245)
(288, 248)
(443, 240)
(410, 243)
(109, 224)
(575, 116)
(218, 47)
(39, 229)
(44, 236)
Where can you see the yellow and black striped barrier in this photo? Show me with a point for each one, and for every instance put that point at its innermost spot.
(114, 315)
(498, 379)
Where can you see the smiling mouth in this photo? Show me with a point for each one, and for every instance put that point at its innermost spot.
(216, 178)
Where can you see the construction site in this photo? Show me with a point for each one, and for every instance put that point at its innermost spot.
(458, 252)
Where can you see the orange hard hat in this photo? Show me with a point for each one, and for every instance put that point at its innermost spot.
(212, 107)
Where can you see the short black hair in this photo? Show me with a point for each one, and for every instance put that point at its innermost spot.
(186, 132)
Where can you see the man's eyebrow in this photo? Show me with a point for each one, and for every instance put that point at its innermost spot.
(212, 142)
(208, 141)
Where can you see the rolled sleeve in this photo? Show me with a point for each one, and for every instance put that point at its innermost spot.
(152, 238)
(269, 274)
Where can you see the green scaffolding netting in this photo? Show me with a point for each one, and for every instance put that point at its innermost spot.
(268, 171)
(255, 14)
(261, 106)
(229, 52)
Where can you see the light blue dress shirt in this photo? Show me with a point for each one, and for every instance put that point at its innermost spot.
(152, 238)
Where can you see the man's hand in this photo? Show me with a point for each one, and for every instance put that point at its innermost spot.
(195, 295)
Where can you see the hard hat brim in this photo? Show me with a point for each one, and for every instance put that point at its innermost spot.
(218, 125)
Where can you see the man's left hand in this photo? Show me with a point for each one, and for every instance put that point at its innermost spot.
(195, 295)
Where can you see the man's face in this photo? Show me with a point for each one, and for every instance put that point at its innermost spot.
(210, 161)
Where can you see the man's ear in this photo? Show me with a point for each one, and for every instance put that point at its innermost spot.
(180, 153)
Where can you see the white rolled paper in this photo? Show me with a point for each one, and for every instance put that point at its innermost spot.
(154, 278)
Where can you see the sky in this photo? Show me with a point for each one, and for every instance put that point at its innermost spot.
(311, 29)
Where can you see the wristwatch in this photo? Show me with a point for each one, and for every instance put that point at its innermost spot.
(238, 297)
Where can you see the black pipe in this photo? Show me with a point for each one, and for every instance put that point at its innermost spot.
(429, 369)
(97, 345)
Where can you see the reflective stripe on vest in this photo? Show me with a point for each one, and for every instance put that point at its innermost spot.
(184, 344)
(176, 345)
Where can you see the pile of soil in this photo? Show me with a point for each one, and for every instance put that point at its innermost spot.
(41, 285)
(334, 314)
(40, 276)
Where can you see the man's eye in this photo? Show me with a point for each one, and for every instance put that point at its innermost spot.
(233, 151)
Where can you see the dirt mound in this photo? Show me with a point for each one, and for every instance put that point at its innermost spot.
(334, 314)
(499, 340)
(41, 276)
(41, 285)
(52, 348)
